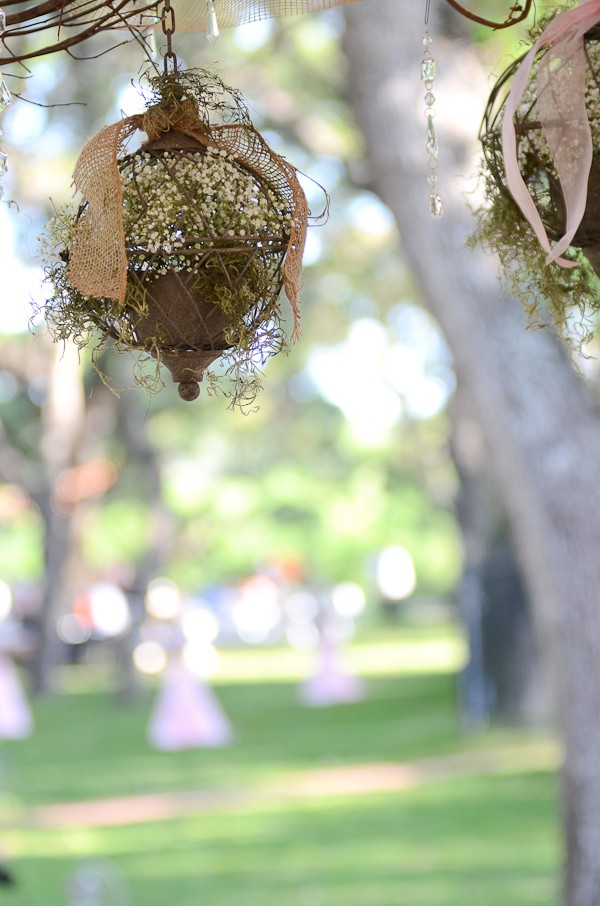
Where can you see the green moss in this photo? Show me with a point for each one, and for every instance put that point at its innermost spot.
(568, 298)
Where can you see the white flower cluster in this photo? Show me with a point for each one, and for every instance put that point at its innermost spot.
(57, 236)
(178, 205)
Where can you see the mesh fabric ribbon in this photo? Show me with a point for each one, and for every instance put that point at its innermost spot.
(192, 14)
(561, 101)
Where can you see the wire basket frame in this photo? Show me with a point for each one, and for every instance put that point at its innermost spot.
(181, 248)
(182, 323)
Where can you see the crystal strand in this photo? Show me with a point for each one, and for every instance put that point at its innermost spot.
(5, 95)
(5, 100)
(212, 26)
(428, 72)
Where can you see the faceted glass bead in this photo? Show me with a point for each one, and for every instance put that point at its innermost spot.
(428, 69)
(432, 144)
(436, 209)
(430, 99)
(427, 40)
(5, 95)
(2, 21)
(212, 25)
(3, 163)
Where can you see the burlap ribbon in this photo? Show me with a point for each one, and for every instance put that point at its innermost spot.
(561, 91)
(98, 255)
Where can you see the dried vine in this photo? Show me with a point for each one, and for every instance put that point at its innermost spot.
(74, 21)
(70, 21)
(518, 13)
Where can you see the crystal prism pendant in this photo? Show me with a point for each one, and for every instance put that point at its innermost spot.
(5, 95)
(436, 208)
(2, 21)
(212, 26)
(428, 69)
(3, 163)
(432, 146)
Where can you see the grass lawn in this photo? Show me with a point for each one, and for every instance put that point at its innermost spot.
(475, 839)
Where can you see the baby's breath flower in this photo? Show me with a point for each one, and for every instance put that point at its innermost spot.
(167, 198)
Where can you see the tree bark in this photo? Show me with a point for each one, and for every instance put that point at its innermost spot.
(540, 425)
(63, 424)
(501, 680)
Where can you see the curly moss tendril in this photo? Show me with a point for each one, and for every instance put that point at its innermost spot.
(568, 298)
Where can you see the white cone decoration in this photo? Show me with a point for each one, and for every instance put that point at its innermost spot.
(331, 683)
(187, 714)
(16, 721)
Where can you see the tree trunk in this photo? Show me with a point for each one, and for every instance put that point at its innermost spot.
(539, 423)
(63, 421)
(502, 678)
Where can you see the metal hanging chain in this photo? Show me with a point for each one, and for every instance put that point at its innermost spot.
(167, 18)
(518, 13)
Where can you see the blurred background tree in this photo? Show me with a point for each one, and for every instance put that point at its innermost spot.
(539, 423)
(349, 452)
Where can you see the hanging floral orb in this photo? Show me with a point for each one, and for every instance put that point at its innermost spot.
(181, 248)
(542, 212)
(535, 158)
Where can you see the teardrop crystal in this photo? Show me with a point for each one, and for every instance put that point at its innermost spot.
(212, 25)
(432, 144)
(428, 69)
(2, 21)
(436, 208)
(5, 95)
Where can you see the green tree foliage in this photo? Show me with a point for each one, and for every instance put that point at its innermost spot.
(347, 452)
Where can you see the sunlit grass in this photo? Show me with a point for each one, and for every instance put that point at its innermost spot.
(405, 650)
(473, 840)
(489, 836)
(416, 652)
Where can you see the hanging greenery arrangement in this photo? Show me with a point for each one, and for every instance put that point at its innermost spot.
(541, 146)
(181, 248)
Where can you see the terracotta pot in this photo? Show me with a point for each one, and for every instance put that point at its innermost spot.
(587, 236)
(588, 232)
(189, 329)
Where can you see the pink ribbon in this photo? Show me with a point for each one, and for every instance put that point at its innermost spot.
(561, 86)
